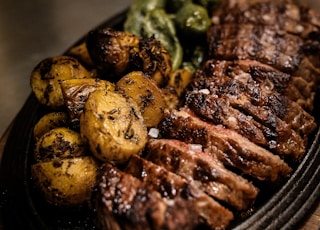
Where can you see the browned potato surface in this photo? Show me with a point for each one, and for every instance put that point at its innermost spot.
(66, 182)
(145, 92)
(47, 75)
(113, 126)
(117, 53)
(59, 143)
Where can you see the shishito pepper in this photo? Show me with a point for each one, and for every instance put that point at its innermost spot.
(148, 18)
(192, 20)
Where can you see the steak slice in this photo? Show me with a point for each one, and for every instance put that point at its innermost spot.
(124, 202)
(256, 42)
(172, 186)
(282, 15)
(203, 170)
(231, 148)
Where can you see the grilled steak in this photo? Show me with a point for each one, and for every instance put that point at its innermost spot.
(283, 15)
(124, 202)
(236, 99)
(204, 171)
(207, 211)
(228, 146)
(288, 21)
(256, 42)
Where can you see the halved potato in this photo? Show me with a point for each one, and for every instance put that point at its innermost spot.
(66, 182)
(145, 92)
(59, 143)
(48, 122)
(113, 126)
(76, 92)
(47, 75)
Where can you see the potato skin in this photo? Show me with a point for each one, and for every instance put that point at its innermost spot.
(145, 92)
(81, 53)
(59, 143)
(180, 79)
(66, 182)
(48, 122)
(113, 126)
(117, 53)
(46, 77)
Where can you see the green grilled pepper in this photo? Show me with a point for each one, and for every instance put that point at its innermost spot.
(137, 12)
(158, 23)
(192, 20)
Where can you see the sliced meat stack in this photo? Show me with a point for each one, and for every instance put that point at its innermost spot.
(245, 121)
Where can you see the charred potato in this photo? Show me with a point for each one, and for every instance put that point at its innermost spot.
(47, 75)
(146, 94)
(117, 53)
(66, 182)
(49, 121)
(59, 143)
(111, 51)
(113, 126)
(76, 92)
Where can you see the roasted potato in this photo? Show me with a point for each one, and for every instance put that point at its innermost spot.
(80, 52)
(113, 126)
(59, 143)
(179, 80)
(117, 53)
(76, 92)
(146, 94)
(111, 51)
(66, 182)
(50, 121)
(47, 75)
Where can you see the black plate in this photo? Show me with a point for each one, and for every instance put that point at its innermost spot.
(23, 208)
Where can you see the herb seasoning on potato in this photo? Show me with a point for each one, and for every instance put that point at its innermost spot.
(113, 126)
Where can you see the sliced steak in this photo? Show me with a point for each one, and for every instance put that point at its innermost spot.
(278, 137)
(172, 186)
(203, 170)
(282, 15)
(124, 202)
(257, 90)
(282, 34)
(233, 149)
(256, 42)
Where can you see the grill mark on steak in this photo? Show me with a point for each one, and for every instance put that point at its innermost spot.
(237, 81)
(282, 15)
(172, 186)
(256, 42)
(285, 17)
(228, 146)
(280, 138)
(204, 171)
(124, 202)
